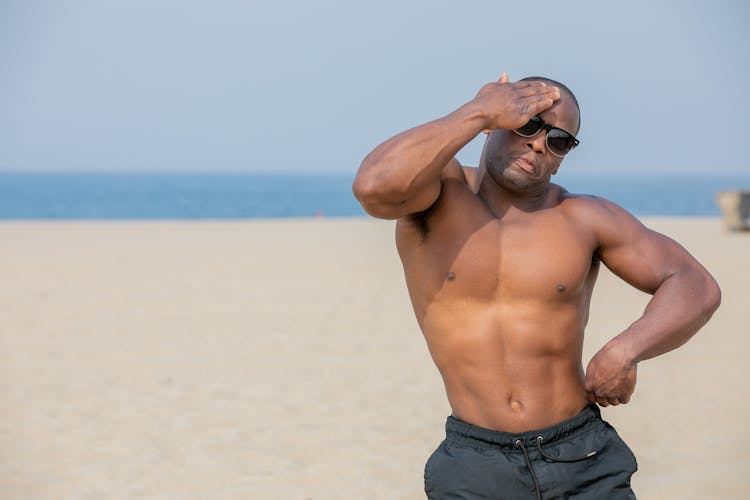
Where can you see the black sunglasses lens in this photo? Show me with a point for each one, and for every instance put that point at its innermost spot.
(531, 128)
(559, 141)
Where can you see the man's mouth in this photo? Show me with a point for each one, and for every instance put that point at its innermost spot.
(526, 165)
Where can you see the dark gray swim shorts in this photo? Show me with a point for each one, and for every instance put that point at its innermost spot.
(582, 457)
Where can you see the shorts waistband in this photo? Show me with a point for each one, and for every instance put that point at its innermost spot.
(472, 434)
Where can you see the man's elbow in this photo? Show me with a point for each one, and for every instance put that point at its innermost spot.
(364, 189)
(372, 198)
(706, 292)
(712, 296)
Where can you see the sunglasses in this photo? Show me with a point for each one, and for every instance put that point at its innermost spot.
(559, 142)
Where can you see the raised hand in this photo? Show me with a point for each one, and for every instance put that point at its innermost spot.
(610, 376)
(510, 105)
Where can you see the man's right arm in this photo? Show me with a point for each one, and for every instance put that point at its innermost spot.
(403, 175)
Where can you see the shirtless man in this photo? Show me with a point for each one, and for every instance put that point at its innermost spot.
(500, 265)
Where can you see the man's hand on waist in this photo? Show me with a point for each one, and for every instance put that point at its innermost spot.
(610, 376)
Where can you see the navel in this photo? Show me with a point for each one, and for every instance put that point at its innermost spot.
(516, 405)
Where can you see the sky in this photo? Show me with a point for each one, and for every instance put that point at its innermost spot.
(297, 86)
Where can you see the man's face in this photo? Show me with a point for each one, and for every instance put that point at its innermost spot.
(523, 164)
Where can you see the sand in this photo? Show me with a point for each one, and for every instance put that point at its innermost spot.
(281, 359)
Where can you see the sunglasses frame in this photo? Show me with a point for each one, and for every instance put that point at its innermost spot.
(547, 127)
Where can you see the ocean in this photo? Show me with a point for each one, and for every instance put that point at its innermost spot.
(75, 196)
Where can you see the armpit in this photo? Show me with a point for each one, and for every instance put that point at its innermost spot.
(421, 220)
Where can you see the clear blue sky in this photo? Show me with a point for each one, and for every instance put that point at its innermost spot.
(297, 86)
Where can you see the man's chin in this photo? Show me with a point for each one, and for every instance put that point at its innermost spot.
(518, 180)
(513, 178)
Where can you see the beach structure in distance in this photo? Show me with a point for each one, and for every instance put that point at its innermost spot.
(735, 207)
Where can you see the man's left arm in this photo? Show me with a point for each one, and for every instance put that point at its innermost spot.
(685, 296)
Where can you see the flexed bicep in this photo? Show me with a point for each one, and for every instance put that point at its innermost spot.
(642, 257)
(685, 295)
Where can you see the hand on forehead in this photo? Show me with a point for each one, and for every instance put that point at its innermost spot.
(564, 112)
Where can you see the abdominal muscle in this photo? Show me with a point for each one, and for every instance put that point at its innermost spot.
(510, 367)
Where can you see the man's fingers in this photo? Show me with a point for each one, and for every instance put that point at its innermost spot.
(531, 86)
(537, 106)
(537, 90)
(530, 83)
(607, 400)
(535, 103)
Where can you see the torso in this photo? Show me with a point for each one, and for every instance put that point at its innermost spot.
(502, 300)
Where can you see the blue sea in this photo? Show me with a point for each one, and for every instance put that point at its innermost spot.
(26, 196)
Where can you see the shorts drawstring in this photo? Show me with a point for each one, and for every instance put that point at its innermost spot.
(531, 468)
(539, 439)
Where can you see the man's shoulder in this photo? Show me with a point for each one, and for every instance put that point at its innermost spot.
(586, 205)
(606, 220)
(457, 172)
(456, 178)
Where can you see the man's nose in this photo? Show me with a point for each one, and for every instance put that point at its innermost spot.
(537, 143)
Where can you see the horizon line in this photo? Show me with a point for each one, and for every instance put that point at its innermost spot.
(597, 173)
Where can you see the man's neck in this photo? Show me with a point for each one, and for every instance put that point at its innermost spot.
(501, 199)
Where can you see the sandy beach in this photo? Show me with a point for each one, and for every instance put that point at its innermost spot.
(281, 359)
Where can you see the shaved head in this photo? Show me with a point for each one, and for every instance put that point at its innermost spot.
(562, 87)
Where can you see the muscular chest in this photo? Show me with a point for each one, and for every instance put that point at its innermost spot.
(539, 257)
